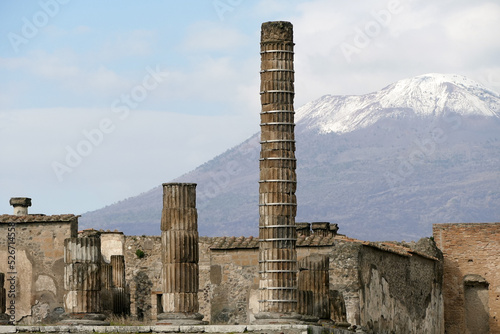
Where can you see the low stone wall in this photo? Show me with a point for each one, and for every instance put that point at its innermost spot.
(268, 329)
(142, 275)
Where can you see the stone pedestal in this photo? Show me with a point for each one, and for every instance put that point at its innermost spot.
(179, 246)
(82, 281)
(277, 185)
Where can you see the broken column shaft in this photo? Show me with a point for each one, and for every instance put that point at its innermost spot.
(106, 287)
(277, 185)
(314, 286)
(179, 249)
(82, 281)
(120, 301)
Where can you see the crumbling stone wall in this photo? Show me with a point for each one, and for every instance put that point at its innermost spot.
(234, 284)
(344, 276)
(140, 271)
(234, 281)
(470, 250)
(400, 293)
(142, 275)
(370, 280)
(39, 250)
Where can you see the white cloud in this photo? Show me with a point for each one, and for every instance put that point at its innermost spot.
(475, 27)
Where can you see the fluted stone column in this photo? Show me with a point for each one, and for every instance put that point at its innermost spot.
(277, 201)
(82, 281)
(4, 318)
(314, 286)
(120, 300)
(106, 287)
(179, 246)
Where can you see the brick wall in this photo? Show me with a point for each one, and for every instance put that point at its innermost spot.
(469, 249)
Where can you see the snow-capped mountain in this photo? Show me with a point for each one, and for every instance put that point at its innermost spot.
(385, 165)
(425, 95)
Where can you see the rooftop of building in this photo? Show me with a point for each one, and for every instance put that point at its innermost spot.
(229, 243)
(37, 218)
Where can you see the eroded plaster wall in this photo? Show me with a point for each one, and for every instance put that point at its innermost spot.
(112, 243)
(39, 250)
(400, 294)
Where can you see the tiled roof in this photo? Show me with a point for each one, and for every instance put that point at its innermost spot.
(233, 242)
(36, 218)
(251, 242)
(315, 241)
(388, 247)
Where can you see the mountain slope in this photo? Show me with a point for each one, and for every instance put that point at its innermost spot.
(384, 165)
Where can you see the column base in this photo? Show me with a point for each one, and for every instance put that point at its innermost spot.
(4, 319)
(179, 319)
(271, 318)
(84, 319)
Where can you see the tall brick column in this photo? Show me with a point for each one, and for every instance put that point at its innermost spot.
(82, 281)
(179, 246)
(4, 318)
(277, 201)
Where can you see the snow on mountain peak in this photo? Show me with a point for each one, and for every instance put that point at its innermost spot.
(431, 94)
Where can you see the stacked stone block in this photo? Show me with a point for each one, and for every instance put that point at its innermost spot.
(82, 280)
(179, 241)
(277, 201)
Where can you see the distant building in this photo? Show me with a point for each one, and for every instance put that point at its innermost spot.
(472, 276)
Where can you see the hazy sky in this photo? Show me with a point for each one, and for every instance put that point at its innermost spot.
(103, 100)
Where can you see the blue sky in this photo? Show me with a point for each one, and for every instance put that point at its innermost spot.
(102, 100)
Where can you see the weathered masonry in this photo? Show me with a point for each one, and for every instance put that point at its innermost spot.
(383, 287)
(471, 275)
(43, 283)
(39, 264)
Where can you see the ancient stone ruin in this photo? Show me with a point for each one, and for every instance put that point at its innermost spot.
(295, 273)
(179, 245)
(82, 281)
